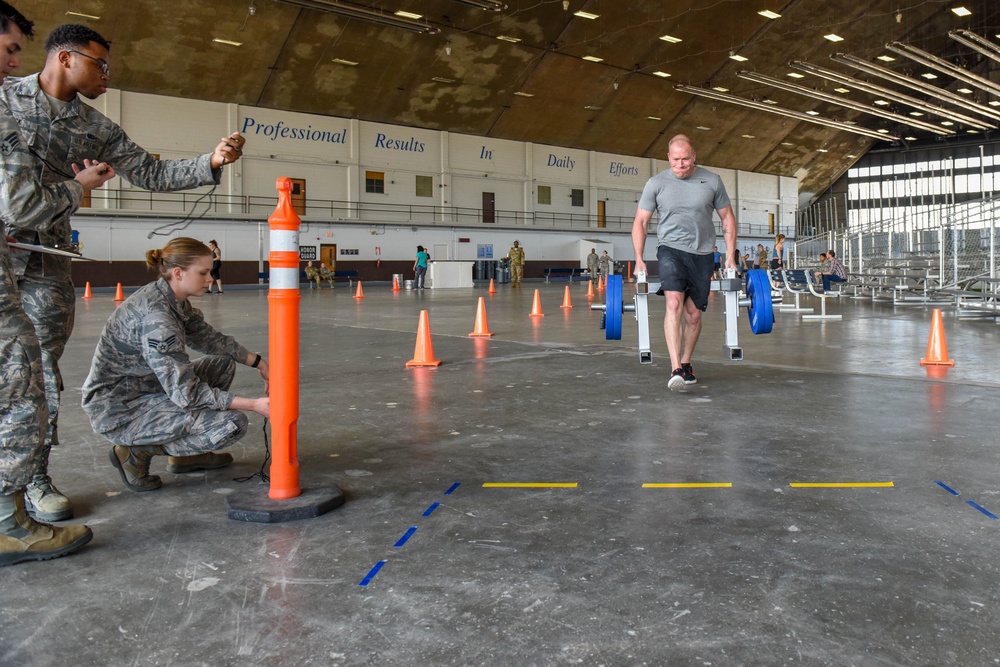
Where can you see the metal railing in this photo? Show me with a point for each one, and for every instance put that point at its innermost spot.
(256, 208)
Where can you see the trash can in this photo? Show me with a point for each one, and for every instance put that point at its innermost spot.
(397, 279)
(502, 272)
(481, 269)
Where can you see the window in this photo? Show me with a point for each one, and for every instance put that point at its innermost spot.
(375, 182)
(425, 186)
(577, 197)
(544, 195)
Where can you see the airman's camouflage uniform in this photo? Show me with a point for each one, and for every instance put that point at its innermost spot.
(143, 389)
(78, 132)
(516, 257)
(23, 412)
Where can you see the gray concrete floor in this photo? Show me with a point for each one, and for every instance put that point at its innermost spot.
(606, 573)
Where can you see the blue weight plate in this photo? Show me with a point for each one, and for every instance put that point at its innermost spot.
(613, 308)
(761, 311)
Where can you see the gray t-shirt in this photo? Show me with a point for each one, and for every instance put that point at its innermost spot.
(685, 207)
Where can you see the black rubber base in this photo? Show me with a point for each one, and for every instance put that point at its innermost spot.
(255, 505)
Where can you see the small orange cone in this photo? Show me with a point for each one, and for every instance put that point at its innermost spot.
(86, 292)
(937, 346)
(423, 351)
(395, 284)
(590, 289)
(358, 294)
(567, 302)
(119, 295)
(536, 306)
(482, 327)
(492, 289)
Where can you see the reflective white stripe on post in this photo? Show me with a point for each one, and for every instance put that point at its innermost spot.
(284, 278)
(284, 240)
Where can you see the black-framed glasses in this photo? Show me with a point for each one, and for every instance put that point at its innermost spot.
(100, 61)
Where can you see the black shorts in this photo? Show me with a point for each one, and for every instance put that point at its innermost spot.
(686, 272)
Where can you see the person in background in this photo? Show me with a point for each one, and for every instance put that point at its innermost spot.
(516, 257)
(605, 264)
(216, 265)
(778, 253)
(420, 267)
(593, 263)
(762, 262)
(835, 273)
(66, 131)
(717, 259)
(143, 392)
(312, 275)
(326, 274)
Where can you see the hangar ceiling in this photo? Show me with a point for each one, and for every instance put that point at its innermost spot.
(520, 73)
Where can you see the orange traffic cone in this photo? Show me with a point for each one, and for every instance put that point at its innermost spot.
(359, 294)
(567, 302)
(423, 352)
(482, 327)
(86, 292)
(119, 295)
(937, 346)
(590, 289)
(492, 289)
(395, 284)
(536, 306)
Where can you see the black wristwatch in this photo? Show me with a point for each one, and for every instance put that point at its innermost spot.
(256, 362)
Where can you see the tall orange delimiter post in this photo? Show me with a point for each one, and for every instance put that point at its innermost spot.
(283, 344)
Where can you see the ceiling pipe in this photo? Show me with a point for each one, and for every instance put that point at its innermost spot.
(976, 43)
(914, 84)
(781, 111)
(902, 98)
(485, 5)
(364, 14)
(839, 101)
(941, 65)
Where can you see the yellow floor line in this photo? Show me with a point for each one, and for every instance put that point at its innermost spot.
(691, 485)
(530, 485)
(839, 485)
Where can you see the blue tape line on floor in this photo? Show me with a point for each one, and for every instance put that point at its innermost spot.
(983, 510)
(947, 488)
(430, 510)
(407, 535)
(452, 489)
(371, 574)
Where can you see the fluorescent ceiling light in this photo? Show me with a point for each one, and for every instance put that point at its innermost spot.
(738, 58)
(441, 79)
(781, 111)
(341, 61)
(523, 94)
(972, 132)
(943, 66)
(822, 150)
(883, 131)
(841, 90)
(748, 136)
(670, 38)
(506, 38)
(653, 118)
(227, 42)
(586, 15)
(84, 16)
(851, 156)
(881, 103)
(915, 84)
(965, 91)
(947, 123)
(662, 75)
(408, 15)
(886, 59)
(594, 59)
(994, 103)
(929, 75)
(721, 89)
(910, 138)
(352, 11)
(916, 113)
(795, 75)
(961, 11)
(703, 128)
(812, 113)
(768, 14)
(591, 107)
(787, 143)
(833, 38)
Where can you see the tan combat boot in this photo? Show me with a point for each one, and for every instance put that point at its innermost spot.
(133, 465)
(207, 461)
(23, 539)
